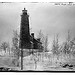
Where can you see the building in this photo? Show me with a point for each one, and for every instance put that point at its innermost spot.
(24, 30)
(27, 40)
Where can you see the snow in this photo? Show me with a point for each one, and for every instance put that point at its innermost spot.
(43, 62)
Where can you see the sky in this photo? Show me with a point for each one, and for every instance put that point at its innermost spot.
(51, 19)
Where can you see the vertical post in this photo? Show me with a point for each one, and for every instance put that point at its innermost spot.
(21, 59)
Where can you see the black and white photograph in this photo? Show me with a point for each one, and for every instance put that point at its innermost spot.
(37, 36)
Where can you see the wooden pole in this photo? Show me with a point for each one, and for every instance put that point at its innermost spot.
(21, 59)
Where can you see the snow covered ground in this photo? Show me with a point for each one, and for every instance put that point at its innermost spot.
(43, 62)
(51, 63)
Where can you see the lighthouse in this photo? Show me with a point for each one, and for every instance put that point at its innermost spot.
(24, 31)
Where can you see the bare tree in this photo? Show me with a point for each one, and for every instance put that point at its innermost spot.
(72, 47)
(44, 40)
(55, 45)
(8, 49)
(15, 44)
(41, 36)
(4, 46)
(46, 43)
(69, 36)
(67, 44)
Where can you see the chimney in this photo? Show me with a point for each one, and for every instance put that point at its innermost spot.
(38, 39)
(32, 34)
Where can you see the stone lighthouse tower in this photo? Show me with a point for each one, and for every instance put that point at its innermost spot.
(24, 31)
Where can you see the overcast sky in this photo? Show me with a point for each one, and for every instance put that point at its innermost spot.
(49, 18)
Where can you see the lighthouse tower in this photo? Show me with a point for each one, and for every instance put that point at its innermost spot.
(24, 31)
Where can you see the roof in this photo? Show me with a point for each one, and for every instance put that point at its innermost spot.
(35, 40)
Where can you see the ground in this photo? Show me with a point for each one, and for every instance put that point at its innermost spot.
(39, 62)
